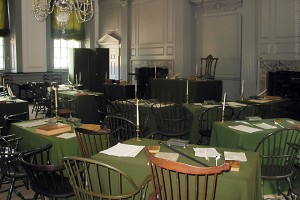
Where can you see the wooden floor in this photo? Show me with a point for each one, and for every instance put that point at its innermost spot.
(28, 194)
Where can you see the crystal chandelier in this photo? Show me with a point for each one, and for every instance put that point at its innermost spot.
(83, 10)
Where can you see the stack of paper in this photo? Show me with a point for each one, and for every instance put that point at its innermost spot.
(206, 152)
(265, 126)
(123, 150)
(235, 104)
(33, 123)
(245, 128)
(239, 156)
(167, 156)
(67, 135)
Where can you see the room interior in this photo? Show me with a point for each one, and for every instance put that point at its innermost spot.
(256, 43)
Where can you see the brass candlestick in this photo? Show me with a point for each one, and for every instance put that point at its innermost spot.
(242, 96)
(223, 114)
(137, 134)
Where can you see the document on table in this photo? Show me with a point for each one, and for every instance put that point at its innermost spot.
(235, 104)
(209, 106)
(245, 128)
(240, 156)
(260, 100)
(206, 152)
(265, 126)
(123, 150)
(67, 135)
(33, 123)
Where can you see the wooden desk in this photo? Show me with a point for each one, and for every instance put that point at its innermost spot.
(9, 107)
(231, 186)
(223, 136)
(61, 147)
(86, 105)
(196, 110)
(175, 90)
(117, 91)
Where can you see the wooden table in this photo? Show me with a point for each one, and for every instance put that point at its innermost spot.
(174, 90)
(61, 147)
(224, 136)
(119, 91)
(9, 107)
(231, 186)
(86, 105)
(197, 109)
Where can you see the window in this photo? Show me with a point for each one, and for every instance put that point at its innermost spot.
(2, 56)
(62, 52)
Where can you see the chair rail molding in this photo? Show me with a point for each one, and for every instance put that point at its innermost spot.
(217, 5)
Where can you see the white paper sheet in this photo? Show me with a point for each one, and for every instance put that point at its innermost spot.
(240, 156)
(245, 128)
(260, 100)
(67, 135)
(123, 150)
(197, 104)
(206, 152)
(235, 104)
(33, 123)
(167, 156)
(265, 126)
(209, 106)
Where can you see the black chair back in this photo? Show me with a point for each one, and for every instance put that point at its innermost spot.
(46, 179)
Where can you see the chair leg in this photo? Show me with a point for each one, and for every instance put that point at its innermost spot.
(262, 189)
(11, 189)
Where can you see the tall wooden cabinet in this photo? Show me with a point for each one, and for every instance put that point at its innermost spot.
(92, 65)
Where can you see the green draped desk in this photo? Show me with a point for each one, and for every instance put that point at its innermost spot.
(231, 185)
(197, 109)
(9, 107)
(30, 140)
(223, 136)
(174, 90)
(86, 105)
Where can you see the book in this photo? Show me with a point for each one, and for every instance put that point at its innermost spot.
(91, 127)
(54, 129)
(154, 149)
(235, 165)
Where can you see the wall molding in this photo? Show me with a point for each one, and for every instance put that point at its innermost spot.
(217, 5)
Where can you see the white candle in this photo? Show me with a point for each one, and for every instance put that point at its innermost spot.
(187, 87)
(55, 96)
(243, 86)
(76, 80)
(135, 89)
(155, 71)
(224, 101)
(196, 69)
(137, 113)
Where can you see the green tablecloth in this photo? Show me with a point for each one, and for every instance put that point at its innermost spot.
(196, 110)
(231, 185)
(223, 136)
(86, 105)
(61, 147)
(175, 90)
(10, 107)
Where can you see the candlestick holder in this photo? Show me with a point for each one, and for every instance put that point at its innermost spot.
(187, 98)
(138, 139)
(223, 114)
(155, 75)
(56, 119)
(242, 96)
